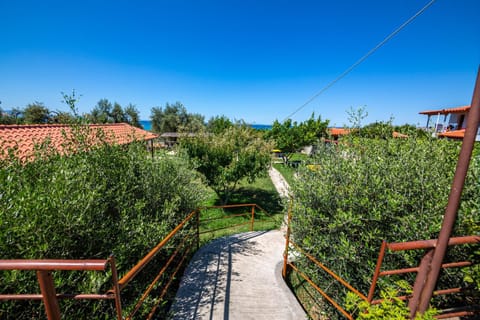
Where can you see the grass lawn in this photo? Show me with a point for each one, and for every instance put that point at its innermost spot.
(286, 171)
(261, 192)
(299, 157)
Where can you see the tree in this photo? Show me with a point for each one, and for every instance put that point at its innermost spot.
(377, 130)
(175, 118)
(17, 114)
(385, 130)
(286, 136)
(36, 113)
(71, 101)
(62, 117)
(291, 136)
(195, 123)
(412, 131)
(218, 124)
(169, 119)
(118, 115)
(105, 112)
(356, 116)
(226, 158)
(102, 112)
(6, 117)
(132, 115)
(314, 129)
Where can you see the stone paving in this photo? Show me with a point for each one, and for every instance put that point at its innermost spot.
(237, 277)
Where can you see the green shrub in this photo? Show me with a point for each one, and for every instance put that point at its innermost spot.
(367, 190)
(226, 158)
(95, 202)
(391, 308)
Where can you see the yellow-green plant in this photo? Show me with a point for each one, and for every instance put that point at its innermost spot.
(391, 308)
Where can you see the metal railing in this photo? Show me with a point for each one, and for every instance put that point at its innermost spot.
(252, 215)
(289, 265)
(182, 241)
(421, 245)
(44, 269)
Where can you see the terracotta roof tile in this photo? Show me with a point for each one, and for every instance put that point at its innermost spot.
(336, 132)
(399, 135)
(339, 131)
(446, 111)
(455, 134)
(22, 139)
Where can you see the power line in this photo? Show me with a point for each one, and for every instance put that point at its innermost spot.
(359, 61)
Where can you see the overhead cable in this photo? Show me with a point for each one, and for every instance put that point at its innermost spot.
(359, 61)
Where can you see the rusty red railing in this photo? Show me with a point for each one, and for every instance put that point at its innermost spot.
(189, 231)
(252, 215)
(421, 245)
(413, 245)
(44, 269)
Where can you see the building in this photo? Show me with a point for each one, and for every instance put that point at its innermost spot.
(449, 123)
(22, 140)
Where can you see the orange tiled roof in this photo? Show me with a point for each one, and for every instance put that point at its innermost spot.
(446, 111)
(22, 139)
(399, 135)
(335, 132)
(454, 134)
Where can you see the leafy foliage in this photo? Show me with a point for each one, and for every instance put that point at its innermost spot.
(36, 113)
(390, 308)
(366, 190)
(224, 159)
(175, 118)
(110, 199)
(385, 130)
(105, 112)
(292, 136)
(218, 124)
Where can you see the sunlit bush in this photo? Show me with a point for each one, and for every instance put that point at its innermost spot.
(102, 200)
(364, 191)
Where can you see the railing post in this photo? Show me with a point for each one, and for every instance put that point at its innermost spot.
(116, 288)
(433, 271)
(287, 241)
(253, 218)
(420, 282)
(49, 295)
(376, 274)
(198, 228)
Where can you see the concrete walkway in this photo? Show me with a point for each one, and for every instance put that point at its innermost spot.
(237, 277)
(279, 182)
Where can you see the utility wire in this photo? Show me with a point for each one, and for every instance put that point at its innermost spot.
(359, 61)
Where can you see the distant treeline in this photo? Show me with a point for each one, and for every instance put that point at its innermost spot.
(103, 112)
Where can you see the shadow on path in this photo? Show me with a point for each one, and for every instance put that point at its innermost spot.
(236, 278)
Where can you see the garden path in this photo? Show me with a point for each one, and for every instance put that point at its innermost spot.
(238, 277)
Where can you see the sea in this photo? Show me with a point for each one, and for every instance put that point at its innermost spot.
(147, 125)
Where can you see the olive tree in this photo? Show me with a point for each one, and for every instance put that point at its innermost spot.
(292, 136)
(225, 159)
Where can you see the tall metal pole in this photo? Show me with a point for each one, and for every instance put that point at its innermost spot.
(287, 240)
(453, 200)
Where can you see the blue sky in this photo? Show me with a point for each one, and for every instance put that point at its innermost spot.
(252, 60)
